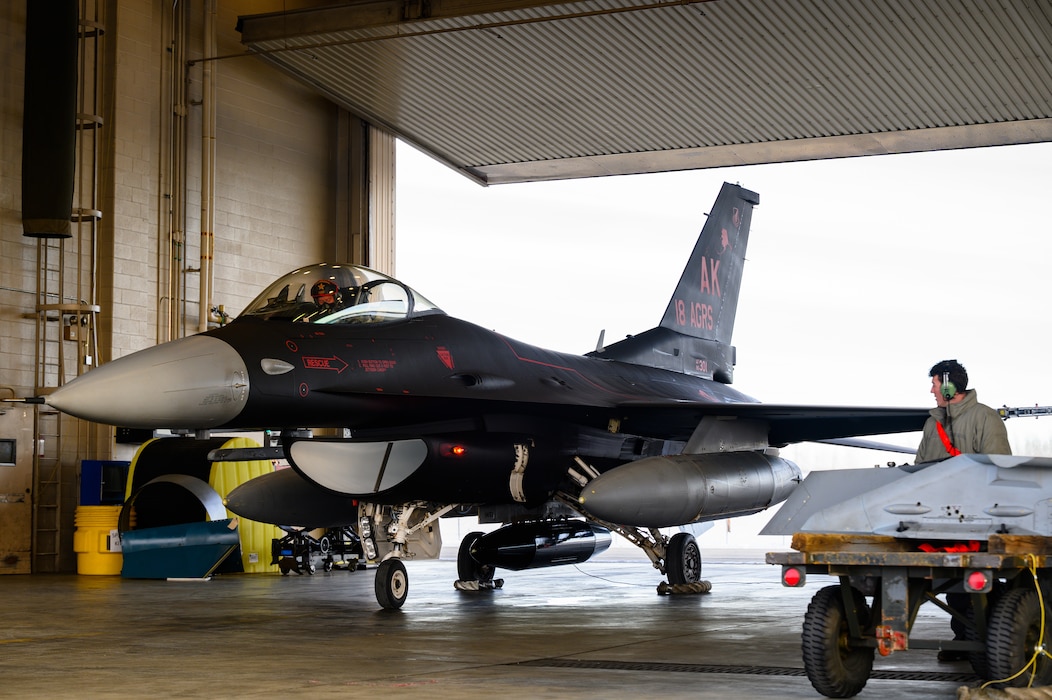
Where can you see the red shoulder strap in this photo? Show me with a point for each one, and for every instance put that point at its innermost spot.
(946, 440)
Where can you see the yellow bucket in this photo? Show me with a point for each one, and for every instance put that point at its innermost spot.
(95, 540)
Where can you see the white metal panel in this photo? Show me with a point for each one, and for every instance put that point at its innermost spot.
(586, 88)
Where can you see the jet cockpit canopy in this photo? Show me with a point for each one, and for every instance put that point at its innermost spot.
(338, 293)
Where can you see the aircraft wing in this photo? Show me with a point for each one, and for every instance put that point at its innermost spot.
(869, 445)
(786, 423)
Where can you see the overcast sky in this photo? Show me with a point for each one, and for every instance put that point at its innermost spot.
(861, 273)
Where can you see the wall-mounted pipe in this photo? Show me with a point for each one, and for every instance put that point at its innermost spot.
(208, 166)
(165, 194)
(173, 196)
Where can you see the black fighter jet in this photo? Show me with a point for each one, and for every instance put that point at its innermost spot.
(394, 414)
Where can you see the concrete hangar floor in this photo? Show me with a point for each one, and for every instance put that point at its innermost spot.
(596, 630)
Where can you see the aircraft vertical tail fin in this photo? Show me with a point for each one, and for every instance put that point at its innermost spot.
(694, 336)
(706, 298)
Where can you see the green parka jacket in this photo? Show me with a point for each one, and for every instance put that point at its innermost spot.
(974, 428)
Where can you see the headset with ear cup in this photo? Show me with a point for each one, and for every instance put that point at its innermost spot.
(948, 388)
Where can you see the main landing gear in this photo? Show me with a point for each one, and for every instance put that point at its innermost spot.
(683, 560)
(392, 534)
(471, 575)
(678, 556)
(531, 545)
(682, 566)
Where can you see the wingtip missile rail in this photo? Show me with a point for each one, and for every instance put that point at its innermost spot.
(1033, 411)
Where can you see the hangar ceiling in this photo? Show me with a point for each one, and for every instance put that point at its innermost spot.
(511, 91)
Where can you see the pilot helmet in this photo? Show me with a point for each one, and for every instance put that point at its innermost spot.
(325, 293)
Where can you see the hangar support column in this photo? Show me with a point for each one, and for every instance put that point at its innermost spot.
(364, 193)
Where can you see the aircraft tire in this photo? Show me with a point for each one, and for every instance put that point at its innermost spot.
(835, 668)
(1012, 638)
(392, 584)
(683, 559)
(467, 568)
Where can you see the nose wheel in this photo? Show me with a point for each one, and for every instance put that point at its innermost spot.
(392, 584)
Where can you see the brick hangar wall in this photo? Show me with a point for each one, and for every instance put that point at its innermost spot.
(272, 184)
(273, 192)
(273, 211)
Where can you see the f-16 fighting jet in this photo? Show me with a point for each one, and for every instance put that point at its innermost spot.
(432, 416)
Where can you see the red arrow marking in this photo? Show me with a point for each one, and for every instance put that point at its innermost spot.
(331, 363)
(445, 356)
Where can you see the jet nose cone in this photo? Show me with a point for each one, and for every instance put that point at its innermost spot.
(196, 382)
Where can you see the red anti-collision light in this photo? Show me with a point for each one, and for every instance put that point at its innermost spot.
(453, 450)
(792, 577)
(978, 581)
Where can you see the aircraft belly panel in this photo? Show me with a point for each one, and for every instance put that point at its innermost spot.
(357, 467)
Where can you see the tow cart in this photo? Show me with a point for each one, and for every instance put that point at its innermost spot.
(1006, 578)
(302, 551)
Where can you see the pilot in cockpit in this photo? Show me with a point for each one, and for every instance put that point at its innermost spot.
(327, 297)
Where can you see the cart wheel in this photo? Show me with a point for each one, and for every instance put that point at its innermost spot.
(1012, 639)
(978, 658)
(392, 584)
(467, 568)
(835, 668)
(683, 559)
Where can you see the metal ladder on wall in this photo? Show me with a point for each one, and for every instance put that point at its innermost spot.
(64, 318)
(47, 428)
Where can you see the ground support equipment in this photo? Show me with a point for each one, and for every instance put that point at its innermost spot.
(1006, 583)
(303, 552)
